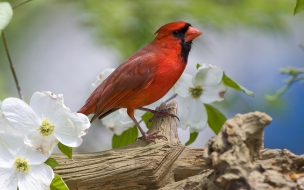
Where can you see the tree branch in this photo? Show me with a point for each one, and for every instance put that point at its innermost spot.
(231, 160)
(16, 6)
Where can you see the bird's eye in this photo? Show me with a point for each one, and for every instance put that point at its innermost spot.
(175, 31)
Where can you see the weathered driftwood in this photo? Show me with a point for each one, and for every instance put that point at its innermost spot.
(232, 160)
(141, 165)
(235, 160)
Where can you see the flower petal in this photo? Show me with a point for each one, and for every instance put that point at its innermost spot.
(183, 84)
(203, 66)
(213, 93)
(35, 157)
(192, 114)
(121, 127)
(118, 121)
(41, 143)
(10, 147)
(123, 116)
(81, 122)
(5, 125)
(39, 177)
(6, 14)
(20, 115)
(211, 75)
(101, 77)
(8, 178)
(69, 131)
(110, 120)
(48, 105)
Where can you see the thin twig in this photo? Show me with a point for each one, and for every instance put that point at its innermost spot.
(12, 66)
(172, 97)
(293, 79)
(21, 4)
(296, 74)
(10, 59)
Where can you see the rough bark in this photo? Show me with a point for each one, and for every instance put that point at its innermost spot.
(231, 160)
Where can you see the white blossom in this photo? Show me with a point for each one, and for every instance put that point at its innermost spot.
(101, 77)
(206, 86)
(22, 165)
(46, 121)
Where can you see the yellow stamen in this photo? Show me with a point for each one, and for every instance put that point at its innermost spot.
(21, 164)
(46, 128)
(196, 92)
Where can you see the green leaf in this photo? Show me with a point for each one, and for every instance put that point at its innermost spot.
(229, 82)
(198, 65)
(146, 117)
(126, 138)
(215, 118)
(192, 138)
(58, 183)
(51, 162)
(65, 149)
(299, 7)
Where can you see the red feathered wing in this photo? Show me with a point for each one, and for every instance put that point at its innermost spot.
(127, 80)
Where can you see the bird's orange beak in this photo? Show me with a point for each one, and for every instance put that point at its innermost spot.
(192, 33)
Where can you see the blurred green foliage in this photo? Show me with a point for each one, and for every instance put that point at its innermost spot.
(299, 6)
(127, 25)
(127, 137)
(192, 138)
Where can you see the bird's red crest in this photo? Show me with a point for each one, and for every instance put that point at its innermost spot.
(171, 27)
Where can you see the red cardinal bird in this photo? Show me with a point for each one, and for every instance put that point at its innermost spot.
(146, 76)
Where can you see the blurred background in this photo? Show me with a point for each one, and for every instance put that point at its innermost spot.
(62, 45)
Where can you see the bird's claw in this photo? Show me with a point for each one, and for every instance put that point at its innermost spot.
(152, 137)
(162, 113)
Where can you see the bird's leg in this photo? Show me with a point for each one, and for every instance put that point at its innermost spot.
(162, 113)
(145, 136)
